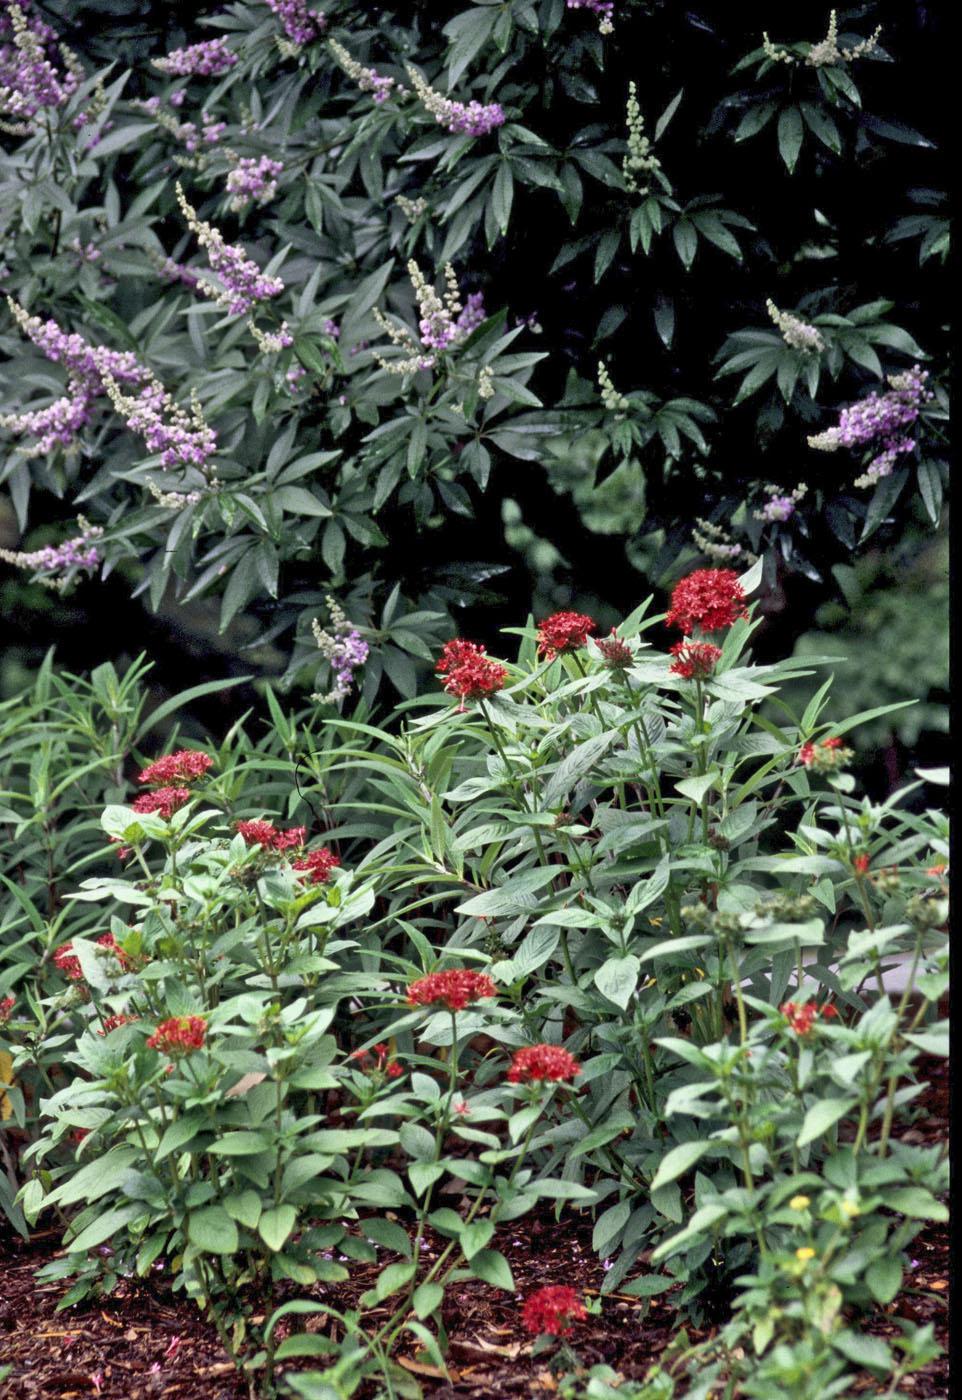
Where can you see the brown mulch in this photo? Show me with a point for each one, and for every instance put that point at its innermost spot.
(145, 1343)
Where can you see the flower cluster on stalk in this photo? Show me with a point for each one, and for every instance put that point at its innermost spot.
(184, 766)
(55, 563)
(639, 159)
(209, 59)
(469, 673)
(243, 285)
(564, 632)
(179, 1035)
(454, 989)
(30, 79)
(253, 178)
(708, 599)
(825, 755)
(367, 79)
(163, 801)
(801, 1016)
(542, 1064)
(342, 646)
(881, 421)
(694, 661)
(460, 118)
(780, 507)
(300, 25)
(796, 333)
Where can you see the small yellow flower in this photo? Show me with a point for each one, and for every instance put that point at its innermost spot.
(850, 1209)
(805, 1253)
(799, 1203)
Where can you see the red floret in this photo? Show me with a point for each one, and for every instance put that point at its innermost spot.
(553, 1309)
(564, 631)
(542, 1063)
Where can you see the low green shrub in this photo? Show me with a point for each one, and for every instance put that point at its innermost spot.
(600, 934)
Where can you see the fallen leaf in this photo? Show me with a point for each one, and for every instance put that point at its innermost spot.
(938, 1284)
(421, 1368)
(111, 1320)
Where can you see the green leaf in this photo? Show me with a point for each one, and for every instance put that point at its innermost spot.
(427, 1298)
(212, 1231)
(821, 1116)
(245, 1207)
(884, 1278)
(790, 131)
(685, 237)
(916, 1203)
(104, 1227)
(493, 1268)
(394, 1277)
(617, 978)
(678, 1161)
(240, 1144)
(661, 126)
(475, 1237)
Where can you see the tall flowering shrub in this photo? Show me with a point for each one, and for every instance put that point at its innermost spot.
(276, 310)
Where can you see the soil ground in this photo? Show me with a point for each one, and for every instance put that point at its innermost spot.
(145, 1343)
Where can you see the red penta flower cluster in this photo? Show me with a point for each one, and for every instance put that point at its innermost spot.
(6, 1007)
(615, 652)
(185, 766)
(694, 661)
(179, 1035)
(112, 1022)
(860, 864)
(455, 989)
(384, 1063)
(563, 631)
(801, 1018)
(163, 800)
(542, 1063)
(317, 866)
(468, 671)
(65, 960)
(553, 1309)
(825, 756)
(707, 599)
(266, 834)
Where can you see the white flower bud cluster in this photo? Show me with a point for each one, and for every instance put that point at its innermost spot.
(796, 333)
(826, 53)
(610, 397)
(717, 543)
(639, 159)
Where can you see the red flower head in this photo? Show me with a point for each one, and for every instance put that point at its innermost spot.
(860, 864)
(164, 800)
(107, 940)
(553, 1309)
(828, 1011)
(563, 631)
(118, 1019)
(800, 1018)
(258, 833)
(615, 652)
(696, 661)
(537, 1064)
(66, 961)
(393, 1069)
(469, 673)
(318, 866)
(290, 839)
(826, 756)
(707, 599)
(454, 989)
(179, 1035)
(185, 766)
(6, 1008)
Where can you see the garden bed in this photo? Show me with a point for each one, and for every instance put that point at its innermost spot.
(144, 1342)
